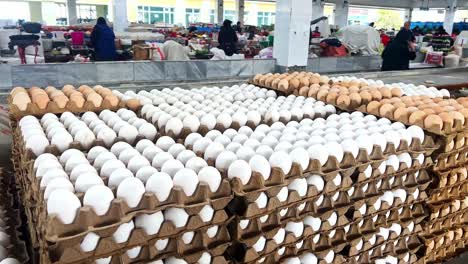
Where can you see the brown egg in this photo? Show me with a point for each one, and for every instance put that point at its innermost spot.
(464, 112)
(331, 97)
(354, 83)
(324, 79)
(21, 100)
(305, 81)
(313, 92)
(283, 85)
(449, 108)
(429, 111)
(268, 81)
(457, 116)
(401, 114)
(294, 84)
(314, 79)
(77, 99)
(61, 100)
(458, 107)
(386, 110)
(395, 100)
(412, 109)
(95, 99)
(304, 91)
(365, 88)
(356, 99)
(354, 89)
(97, 87)
(133, 104)
(373, 107)
(256, 78)
(50, 89)
(83, 87)
(323, 87)
(344, 90)
(68, 89)
(56, 93)
(438, 109)
(366, 97)
(396, 92)
(17, 90)
(322, 95)
(112, 99)
(41, 100)
(399, 104)
(275, 82)
(386, 93)
(443, 103)
(427, 101)
(385, 101)
(343, 101)
(407, 99)
(376, 95)
(417, 117)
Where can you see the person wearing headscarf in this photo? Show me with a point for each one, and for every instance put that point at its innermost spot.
(102, 39)
(406, 32)
(227, 38)
(398, 53)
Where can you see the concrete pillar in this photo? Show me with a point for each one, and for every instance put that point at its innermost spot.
(450, 15)
(71, 8)
(120, 15)
(341, 13)
(179, 12)
(35, 11)
(219, 11)
(240, 6)
(110, 10)
(408, 14)
(292, 32)
(317, 8)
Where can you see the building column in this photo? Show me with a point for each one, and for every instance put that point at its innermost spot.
(35, 11)
(450, 16)
(120, 19)
(179, 12)
(71, 8)
(219, 11)
(240, 6)
(341, 13)
(408, 15)
(292, 32)
(317, 8)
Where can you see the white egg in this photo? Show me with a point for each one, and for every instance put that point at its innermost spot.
(416, 132)
(317, 181)
(86, 181)
(177, 216)
(172, 166)
(300, 156)
(99, 198)
(128, 133)
(240, 169)
(160, 184)
(174, 125)
(109, 166)
(318, 152)
(262, 200)
(64, 204)
(187, 179)
(145, 172)
(151, 223)
(191, 138)
(224, 119)
(165, 143)
(58, 183)
(137, 162)
(297, 228)
(213, 150)
(131, 191)
(210, 176)
(61, 140)
(147, 130)
(196, 164)
(260, 164)
(209, 121)
(201, 144)
(185, 155)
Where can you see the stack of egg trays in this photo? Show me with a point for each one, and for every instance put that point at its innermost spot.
(11, 218)
(49, 228)
(448, 196)
(336, 198)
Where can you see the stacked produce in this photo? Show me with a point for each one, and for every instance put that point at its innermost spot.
(37, 101)
(127, 199)
(12, 246)
(347, 93)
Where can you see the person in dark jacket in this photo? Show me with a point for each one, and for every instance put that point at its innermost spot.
(227, 38)
(398, 53)
(102, 40)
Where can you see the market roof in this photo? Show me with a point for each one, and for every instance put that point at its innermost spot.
(400, 3)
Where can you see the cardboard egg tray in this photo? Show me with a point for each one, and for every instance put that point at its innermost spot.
(448, 222)
(333, 198)
(335, 240)
(11, 221)
(449, 178)
(446, 245)
(52, 107)
(71, 252)
(453, 159)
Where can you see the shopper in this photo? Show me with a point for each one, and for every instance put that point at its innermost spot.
(442, 41)
(407, 33)
(102, 40)
(227, 38)
(398, 53)
(239, 27)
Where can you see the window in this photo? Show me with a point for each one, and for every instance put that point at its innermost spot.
(212, 16)
(265, 18)
(192, 15)
(153, 14)
(86, 13)
(230, 14)
(61, 14)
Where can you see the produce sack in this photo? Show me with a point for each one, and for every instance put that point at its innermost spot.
(435, 58)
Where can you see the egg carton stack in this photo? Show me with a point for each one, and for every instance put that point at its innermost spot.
(179, 112)
(445, 120)
(341, 178)
(13, 248)
(123, 201)
(37, 101)
(347, 93)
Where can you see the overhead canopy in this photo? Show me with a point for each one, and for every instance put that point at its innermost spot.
(399, 3)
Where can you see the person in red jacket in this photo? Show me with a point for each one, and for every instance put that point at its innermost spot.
(384, 38)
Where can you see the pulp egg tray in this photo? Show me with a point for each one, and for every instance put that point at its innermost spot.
(451, 159)
(449, 193)
(353, 222)
(10, 220)
(336, 200)
(451, 221)
(52, 107)
(362, 258)
(190, 245)
(450, 178)
(450, 241)
(442, 210)
(447, 128)
(334, 240)
(451, 142)
(177, 198)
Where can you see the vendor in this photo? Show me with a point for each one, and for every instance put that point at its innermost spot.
(103, 41)
(227, 38)
(398, 53)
